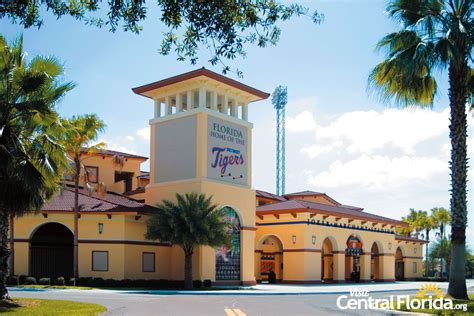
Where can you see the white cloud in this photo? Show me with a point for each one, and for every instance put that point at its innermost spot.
(379, 172)
(117, 146)
(144, 133)
(301, 122)
(315, 150)
(130, 138)
(367, 131)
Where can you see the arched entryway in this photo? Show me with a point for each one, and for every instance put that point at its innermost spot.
(327, 261)
(228, 259)
(375, 262)
(270, 250)
(52, 251)
(352, 258)
(399, 265)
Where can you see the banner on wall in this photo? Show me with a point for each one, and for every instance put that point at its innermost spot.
(227, 156)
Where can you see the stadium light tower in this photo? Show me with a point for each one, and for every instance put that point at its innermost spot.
(279, 100)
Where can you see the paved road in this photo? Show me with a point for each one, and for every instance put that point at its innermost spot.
(235, 305)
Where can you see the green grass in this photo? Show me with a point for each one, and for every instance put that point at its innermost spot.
(39, 307)
(470, 308)
(55, 287)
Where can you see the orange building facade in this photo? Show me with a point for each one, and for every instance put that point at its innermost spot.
(200, 141)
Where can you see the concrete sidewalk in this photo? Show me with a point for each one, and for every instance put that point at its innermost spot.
(274, 289)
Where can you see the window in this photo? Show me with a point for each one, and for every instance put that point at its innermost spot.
(148, 262)
(92, 174)
(100, 261)
(414, 267)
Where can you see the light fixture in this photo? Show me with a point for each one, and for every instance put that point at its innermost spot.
(389, 246)
(101, 228)
(414, 250)
(313, 239)
(293, 238)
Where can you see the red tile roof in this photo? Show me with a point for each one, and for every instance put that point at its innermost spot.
(268, 195)
(292, 206)
(196, 73)
(311, 193)
(110, 202)
(109, 152)
(405, 238)
(304, 193)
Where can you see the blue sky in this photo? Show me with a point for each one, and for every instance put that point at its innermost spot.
(340, 140)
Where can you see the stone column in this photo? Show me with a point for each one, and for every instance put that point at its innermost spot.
(168, 106)
(365, 267)
(225, 104)
(157, 108)
(202, 97)
(214, 100)
(339, 259)
(190, 100)
(179, 103)
(387, 267)
(233, 108)
(245, 112)
(247, 269)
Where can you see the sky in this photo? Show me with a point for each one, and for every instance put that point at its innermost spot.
(340, 139)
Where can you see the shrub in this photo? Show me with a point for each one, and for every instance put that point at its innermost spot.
(140, 283)
(45, 281)
(60, 281)
(22, 279)
(13, 280)
(71, 282)
(110, 283)
(197, 284)
(207, 283)
(30, 281)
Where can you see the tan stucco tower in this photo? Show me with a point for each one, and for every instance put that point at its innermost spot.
(201, 142)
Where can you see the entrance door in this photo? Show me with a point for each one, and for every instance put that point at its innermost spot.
(399, 271)
(51, 252)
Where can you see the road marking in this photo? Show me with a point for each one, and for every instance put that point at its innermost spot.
(238, 312)
(234, 312)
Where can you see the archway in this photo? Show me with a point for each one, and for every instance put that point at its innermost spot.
(327, 261)
(352, 258)
(270, 250)
(399, 265)
(375, 262)
(228, 259)
(52, 251)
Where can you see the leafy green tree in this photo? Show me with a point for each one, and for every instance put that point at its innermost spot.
(435, 34)
(81, 132)
(31, 159)
(223, 27)
(192, 221)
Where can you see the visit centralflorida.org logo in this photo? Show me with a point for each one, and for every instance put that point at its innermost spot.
(429, 296)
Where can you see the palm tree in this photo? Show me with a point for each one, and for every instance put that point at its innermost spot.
(81, 132)
(32, 160)
(442, 217)
(190, 222)
(414, 222)
(426, 223)
(442, 250)
(435, 34)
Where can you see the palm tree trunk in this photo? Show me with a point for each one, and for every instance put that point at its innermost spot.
(188, 270)
(426, 251)
(4, 254)
(77, 165)
(12, 245)
(458, 134)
